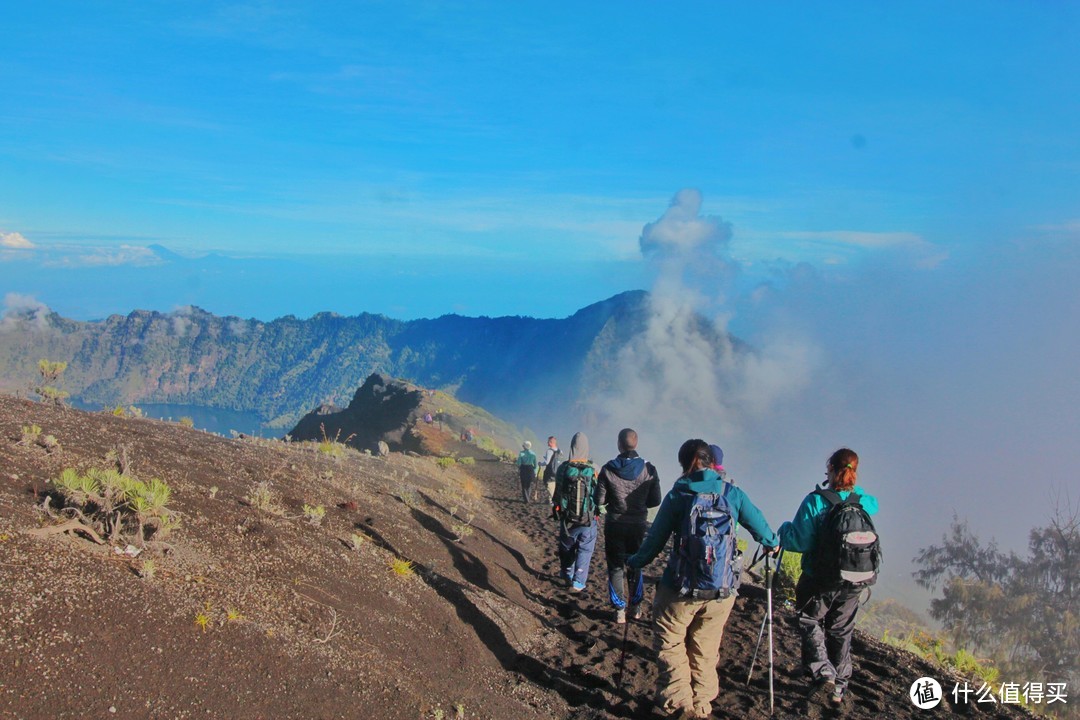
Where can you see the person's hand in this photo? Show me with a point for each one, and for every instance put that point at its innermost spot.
(773, 551)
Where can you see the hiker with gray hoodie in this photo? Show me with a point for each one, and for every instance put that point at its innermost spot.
(573, 505)
(627, 487)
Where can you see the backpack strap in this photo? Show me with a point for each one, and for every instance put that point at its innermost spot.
(831, 496)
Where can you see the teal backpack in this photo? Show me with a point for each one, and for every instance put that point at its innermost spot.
(576, 504)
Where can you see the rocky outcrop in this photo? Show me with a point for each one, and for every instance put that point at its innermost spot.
(382, 411)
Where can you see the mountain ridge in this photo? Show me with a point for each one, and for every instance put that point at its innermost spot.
(282, 368)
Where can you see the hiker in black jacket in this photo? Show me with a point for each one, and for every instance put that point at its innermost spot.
(625, 490)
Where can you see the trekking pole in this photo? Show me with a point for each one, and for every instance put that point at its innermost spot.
(758, 555)
(622, 659)
(768, 592)
(761, 633)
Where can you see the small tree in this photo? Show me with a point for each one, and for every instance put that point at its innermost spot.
(1022, 611)
(50, 372)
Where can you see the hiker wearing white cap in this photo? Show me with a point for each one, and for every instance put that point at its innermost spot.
(526, 464)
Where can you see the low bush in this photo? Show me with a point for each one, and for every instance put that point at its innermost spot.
(113, 503)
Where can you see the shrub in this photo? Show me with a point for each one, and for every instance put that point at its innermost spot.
(410, 497)
(332, 446)
(446, 462)
(461, 530)
(110, 502)
(788, 574)
(402, 567)
(50, 372)
(49, 442)
(30, 434)
(187, 422)
(356, 540)
(148, 569)
(314, 514)
(262, 497)
(467, 461)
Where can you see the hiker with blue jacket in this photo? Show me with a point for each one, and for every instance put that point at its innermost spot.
(627, 487)
(574, 506)
(697, 591)
(827, 603)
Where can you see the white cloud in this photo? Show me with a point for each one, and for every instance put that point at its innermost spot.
(23, 311)
(923, 253)
(860, 238)
(683, 229)
(77, 257)
(15, 241)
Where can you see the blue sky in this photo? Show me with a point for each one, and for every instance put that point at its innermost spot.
(891, 190)
(503, 138)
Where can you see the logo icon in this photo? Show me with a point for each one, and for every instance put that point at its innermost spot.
(925, 693)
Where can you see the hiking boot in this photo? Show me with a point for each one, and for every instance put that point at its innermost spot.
(620, 616)
(837, 697)
(576, 586)
(634, 612)
(822, 690)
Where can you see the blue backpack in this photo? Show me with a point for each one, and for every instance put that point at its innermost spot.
(707, 562)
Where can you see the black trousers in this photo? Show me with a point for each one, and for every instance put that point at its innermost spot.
(621, 540)
(528, 475)
(826, 623)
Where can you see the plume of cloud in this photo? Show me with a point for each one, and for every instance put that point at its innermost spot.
(681, 374)
(24, 312)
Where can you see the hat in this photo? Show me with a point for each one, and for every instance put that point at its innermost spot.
(717, 455)
(579, 447)
(526, 444)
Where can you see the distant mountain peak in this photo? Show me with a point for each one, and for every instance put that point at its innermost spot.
(163, 253)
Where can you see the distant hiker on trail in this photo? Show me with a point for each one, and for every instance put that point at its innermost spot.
(697, 591)
(627, 487)
(841, 556)
(526, 464)
(550, 465)
(574, 506)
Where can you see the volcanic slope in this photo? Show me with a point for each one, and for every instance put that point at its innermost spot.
(305, 618)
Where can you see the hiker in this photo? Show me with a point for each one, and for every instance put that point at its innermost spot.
(627, 487)
(827, 604)
(574, 506)
(526, 464)
(550, 465)
(694, 596)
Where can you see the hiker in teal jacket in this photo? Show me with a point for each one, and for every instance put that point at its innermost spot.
(689, 629)
(826, 614)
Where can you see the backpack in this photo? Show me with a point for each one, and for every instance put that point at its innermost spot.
(576, 504)
(552, 466)
(707, 561)
(848, 550)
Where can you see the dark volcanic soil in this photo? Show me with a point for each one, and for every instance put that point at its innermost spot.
(308, 620)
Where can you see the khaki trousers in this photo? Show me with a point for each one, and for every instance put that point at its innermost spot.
(688, 634)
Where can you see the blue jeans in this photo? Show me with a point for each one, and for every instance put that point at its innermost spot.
(576, 546)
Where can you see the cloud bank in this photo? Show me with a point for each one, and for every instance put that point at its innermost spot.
(14, 241)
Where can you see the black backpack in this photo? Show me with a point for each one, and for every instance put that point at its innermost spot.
(848, 550)
(552, 466)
